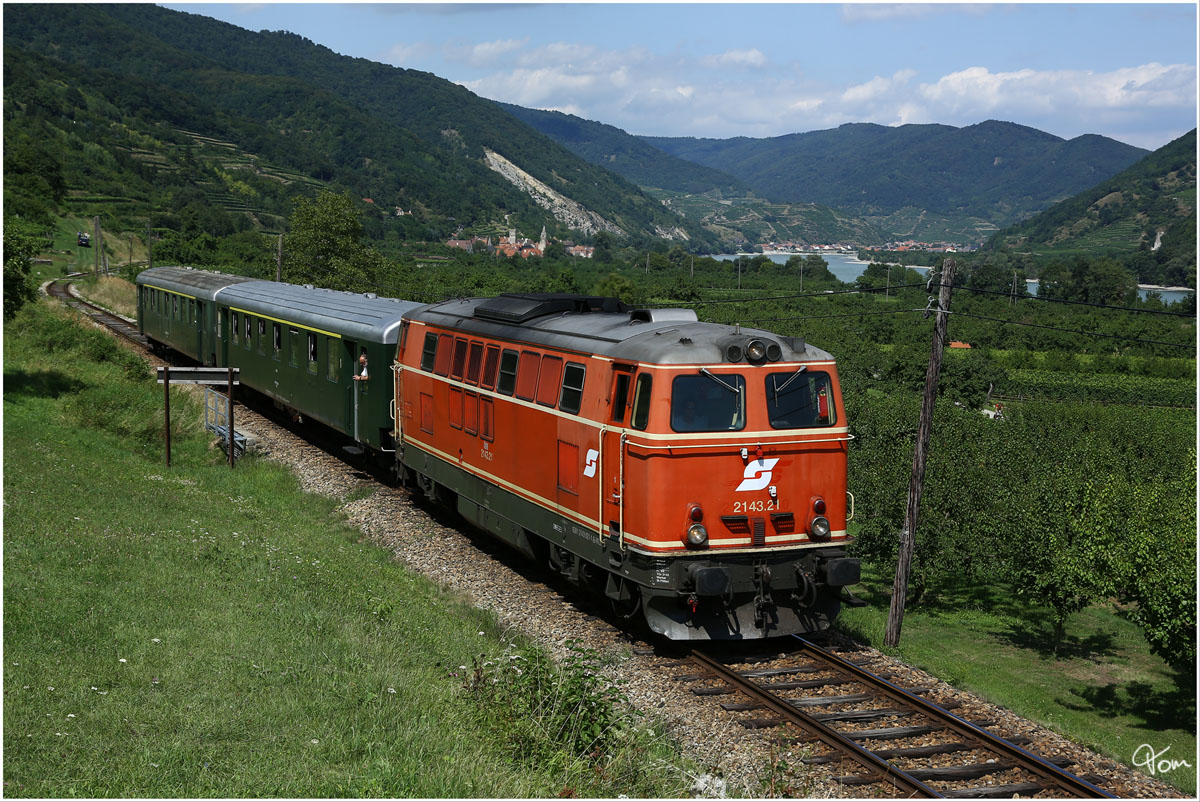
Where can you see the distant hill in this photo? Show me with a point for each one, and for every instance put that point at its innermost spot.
(626, 155)
(725, 206)
(400, 137)
(1147, 212)
(996, 171)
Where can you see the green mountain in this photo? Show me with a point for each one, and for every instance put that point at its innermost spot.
(628, 156)
(995, 171)
(725, 206)
(1145, 214)
(403, 138)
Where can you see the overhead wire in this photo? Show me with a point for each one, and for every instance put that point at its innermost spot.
(1065, 301)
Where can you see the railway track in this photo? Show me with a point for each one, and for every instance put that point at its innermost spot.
(61, 289)
(861, 720)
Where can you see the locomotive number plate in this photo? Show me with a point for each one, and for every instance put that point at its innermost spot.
(756, 506)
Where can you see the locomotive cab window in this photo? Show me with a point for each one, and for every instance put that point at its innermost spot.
(641, 402)
(572, 388)
(707, 402)
(799, 400)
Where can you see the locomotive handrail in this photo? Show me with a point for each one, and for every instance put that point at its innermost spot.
(668, 447)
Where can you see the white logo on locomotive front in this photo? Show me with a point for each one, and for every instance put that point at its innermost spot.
(589, 469)
(757, 475)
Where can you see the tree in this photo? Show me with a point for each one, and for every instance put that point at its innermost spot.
(325, 246)
(603, 253)
(21, 244)
(615, 286)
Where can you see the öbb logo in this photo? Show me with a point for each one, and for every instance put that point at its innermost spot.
(589, 468)
(757, 475)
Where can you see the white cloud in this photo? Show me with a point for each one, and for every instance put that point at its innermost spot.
(738, 58)
(878, 87)
(883, 12)
(486, 53)
(403, 54)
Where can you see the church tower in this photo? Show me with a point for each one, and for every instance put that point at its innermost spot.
(542, 241)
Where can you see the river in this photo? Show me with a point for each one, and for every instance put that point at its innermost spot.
(847, 267)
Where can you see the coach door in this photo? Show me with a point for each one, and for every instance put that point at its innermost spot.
(357, 390)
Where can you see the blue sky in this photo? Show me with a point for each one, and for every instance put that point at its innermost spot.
(1127, 71)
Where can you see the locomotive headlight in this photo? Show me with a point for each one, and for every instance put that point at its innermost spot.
(774, 352)
(756, 351)
(697, 535)
(733, 353)
(819, 528)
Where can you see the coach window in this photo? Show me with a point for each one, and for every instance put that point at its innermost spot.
(549, 380)
(312, 352)
(175, 306)
(220, 323)
(508, 372)
(276, 340)
(429, 353)
(293, 347)
(331, 351)
(572, 388)
(445, 354)
(527, 375)
(474, 362)
(248, 331)
(262, 336)
(641, 402)
(233, 327)
(490, 363)
(460, 359)
(706, 402)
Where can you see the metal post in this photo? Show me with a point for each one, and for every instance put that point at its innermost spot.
(279, 259)
(149, 248)
(891, 636)
(230, 417)
(167, 410)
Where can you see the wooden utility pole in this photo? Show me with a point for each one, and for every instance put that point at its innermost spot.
(279, 258)
(97, 244)
(149, 248)
(891, 635)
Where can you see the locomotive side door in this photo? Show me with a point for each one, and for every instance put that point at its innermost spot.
(612, 448)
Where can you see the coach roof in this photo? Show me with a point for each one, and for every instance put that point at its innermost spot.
(658, 336)
(356, 315)
(202, 284)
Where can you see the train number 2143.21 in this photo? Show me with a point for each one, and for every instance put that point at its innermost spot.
(755, 506)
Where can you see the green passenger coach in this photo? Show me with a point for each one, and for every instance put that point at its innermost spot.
(298, 345)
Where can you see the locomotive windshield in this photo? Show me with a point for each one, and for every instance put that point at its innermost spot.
(799, 400)
(706, 402)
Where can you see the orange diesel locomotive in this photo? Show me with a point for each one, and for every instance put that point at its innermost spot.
(691, 471)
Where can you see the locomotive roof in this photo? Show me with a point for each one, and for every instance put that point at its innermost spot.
(592, 325)
(360, 316)
(202, 284)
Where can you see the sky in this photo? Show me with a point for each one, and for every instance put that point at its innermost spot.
(1127, 71)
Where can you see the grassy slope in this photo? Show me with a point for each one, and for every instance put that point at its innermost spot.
(1103, 688)
(196, 631)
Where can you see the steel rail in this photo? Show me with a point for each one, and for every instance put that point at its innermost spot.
(903, 785)
(1045, 771)
(60, 289)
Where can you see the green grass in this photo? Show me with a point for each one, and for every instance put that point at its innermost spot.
(1101, 687)
(199, 631)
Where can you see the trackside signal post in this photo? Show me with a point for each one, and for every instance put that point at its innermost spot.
(167, 374)
(891, 635)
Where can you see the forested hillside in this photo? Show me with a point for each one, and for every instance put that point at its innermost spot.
(402, 138)
(994, 170)
(1146, 214)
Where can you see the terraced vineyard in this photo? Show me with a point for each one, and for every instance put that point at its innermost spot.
(1104, 388)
